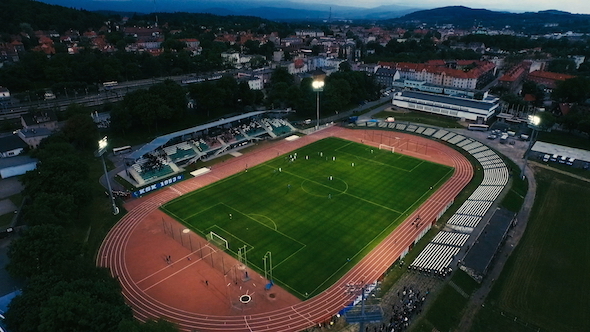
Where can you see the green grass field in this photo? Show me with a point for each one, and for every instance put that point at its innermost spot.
(544, 285)
(319, 215)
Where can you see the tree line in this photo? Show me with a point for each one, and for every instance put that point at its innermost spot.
(63, 289)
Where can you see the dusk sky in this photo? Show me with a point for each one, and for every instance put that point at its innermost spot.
(573, 6)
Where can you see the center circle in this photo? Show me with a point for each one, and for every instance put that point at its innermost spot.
(245, 298)
(324, 186)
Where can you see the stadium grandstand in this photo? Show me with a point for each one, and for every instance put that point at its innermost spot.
(168, 154)
(438, 256)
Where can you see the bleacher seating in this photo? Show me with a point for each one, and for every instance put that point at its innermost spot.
(439, 253)
(202, 145)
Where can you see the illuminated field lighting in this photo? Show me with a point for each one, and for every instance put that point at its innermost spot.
(317, 85)
(534, 120)
(103, 143)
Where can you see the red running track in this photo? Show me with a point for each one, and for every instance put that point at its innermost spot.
(312, 311)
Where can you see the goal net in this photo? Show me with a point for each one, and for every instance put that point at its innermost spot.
(217, 240)
(386, 147)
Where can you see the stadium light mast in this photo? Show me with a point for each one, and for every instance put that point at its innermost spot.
(534, 122)
(318, 86)
(102, 148)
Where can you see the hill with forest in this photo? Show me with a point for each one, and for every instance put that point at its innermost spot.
(19, 15)
(465, 17)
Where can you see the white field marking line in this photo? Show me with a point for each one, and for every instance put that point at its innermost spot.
(173, 274)
(286, 258)
(248, 216)
(359, 198)
(452, 170)
(413, 168)
(340, 193)
(384, 229)
(252, 215)
(235, 237)
(366, 245)
(197, 213)
(378, 162)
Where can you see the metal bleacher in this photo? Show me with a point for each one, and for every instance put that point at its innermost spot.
(438, 255)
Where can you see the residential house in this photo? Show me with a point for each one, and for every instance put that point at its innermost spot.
(193, 45)
(254, 82)
(34, 136)
(11, 146)
(42, 119)
(385, 76)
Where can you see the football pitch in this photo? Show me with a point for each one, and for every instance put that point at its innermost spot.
(318, 209)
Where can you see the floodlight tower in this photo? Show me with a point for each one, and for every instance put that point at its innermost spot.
(534, 122)
(318, 86)
(102, 148)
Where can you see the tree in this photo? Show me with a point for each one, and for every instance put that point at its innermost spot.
(337, 95)
(566, 66)
(54, 209)
(573, 90)
(82, 299)
(81, 131)
(344, 66)
(578, 119)
(281, 75)
(547, 120)
(84, 305)
(43, 248)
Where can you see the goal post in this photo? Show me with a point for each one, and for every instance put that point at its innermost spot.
(387, 147)
(217, 240)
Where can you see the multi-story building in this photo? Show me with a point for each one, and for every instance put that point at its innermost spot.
(386, 76)
(462, 74)
(547, 78)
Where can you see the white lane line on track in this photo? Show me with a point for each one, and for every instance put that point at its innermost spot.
(176, 191)
(330, 300)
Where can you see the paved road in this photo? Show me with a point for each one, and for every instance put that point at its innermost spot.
(9, 187)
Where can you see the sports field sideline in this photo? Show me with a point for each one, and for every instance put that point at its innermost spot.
(318, 210)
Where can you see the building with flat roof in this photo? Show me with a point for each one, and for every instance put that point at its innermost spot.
(548, 152)
(468, 109)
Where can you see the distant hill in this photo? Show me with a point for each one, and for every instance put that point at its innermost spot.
(14, 14)
(468, 17)
(273, 10)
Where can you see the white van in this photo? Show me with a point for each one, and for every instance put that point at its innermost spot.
(49, 95)
(546, 158)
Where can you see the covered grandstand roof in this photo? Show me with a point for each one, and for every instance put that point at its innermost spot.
(482, 253)
(162, 140)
